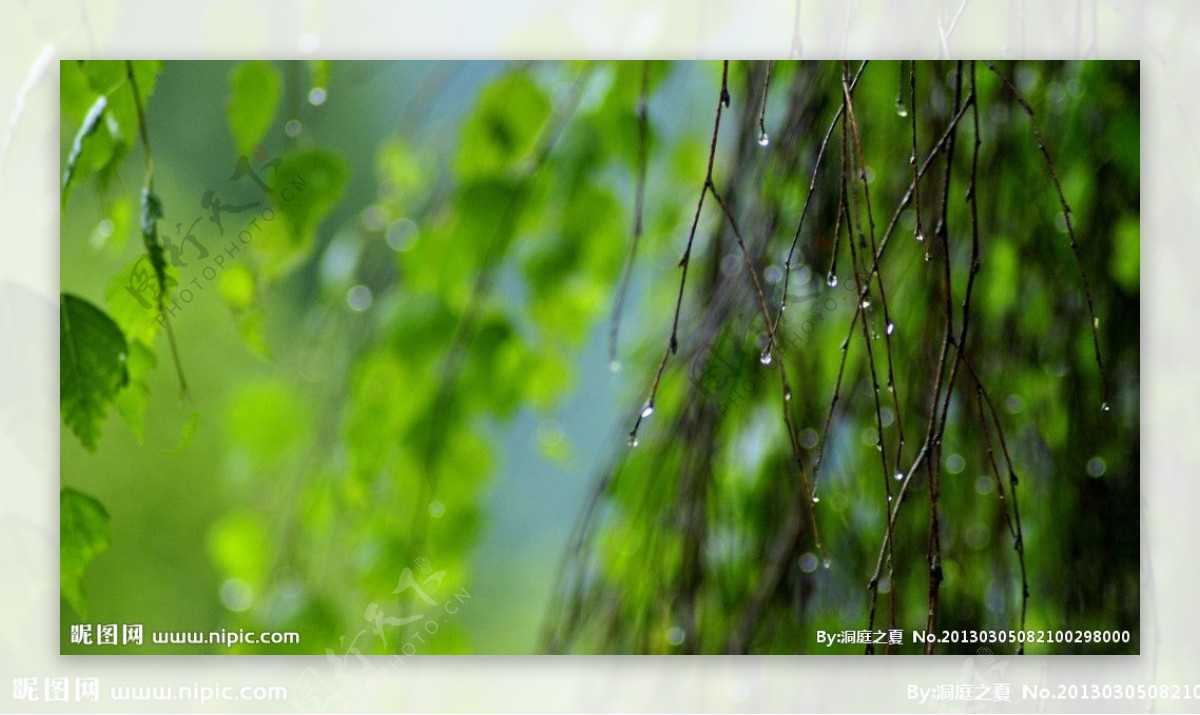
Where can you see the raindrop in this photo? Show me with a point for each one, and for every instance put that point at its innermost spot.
(865, 304)
(765, 358)
(1096, 323)
(648, 409)
(614, 366)
(633, 440)
(891, 327)
(898, 476)
(1104, 406)
(928, 257)
(374, 218)
(675, 635)
(889, 497)
(293, 128)
(901, 108)
(236, 595)
(787, 394)
(401, 234)
(763, 139)
(317, 96)
(831, 281)
(359, 298)
(808, 562)
(920, 236)
(816, 500)
(826, 562)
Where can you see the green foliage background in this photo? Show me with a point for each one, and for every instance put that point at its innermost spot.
(404, 372)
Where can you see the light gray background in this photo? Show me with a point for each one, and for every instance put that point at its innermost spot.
(35, 34)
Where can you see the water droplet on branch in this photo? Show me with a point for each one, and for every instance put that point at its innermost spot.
(891, 327)
(648, 409)
(898, 476)
(831, 281)
(763, 139)
(765, 358)
(901, 108)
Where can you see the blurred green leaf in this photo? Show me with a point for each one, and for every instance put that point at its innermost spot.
(503, 128)
(83, 534)
(254, 93)
(131, 401)
(306, 186)
(268, 421)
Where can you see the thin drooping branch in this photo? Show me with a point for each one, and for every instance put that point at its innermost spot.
(1040, 140)
(935, 428)
(850, 132)
(638, 206)
(763, 138)
(1014, 524)
(673, 344)
(918, 228)
(151, 211)
(767, 358)
(812, 186)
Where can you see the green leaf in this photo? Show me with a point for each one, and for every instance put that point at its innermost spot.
(254, 92)
(305, 187)
(1125, 265)
(87, 129)
(503, 130)
(188, 433)
(152, 211)
(131, 401)
(319, 70)
(131, 298)
(236, 286)
(239, 545)
(110, 78)
(83, 535)
(253, 331)
(92, 366)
